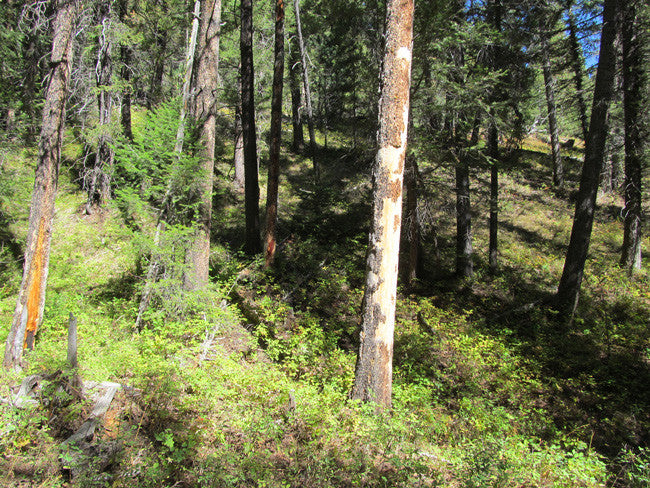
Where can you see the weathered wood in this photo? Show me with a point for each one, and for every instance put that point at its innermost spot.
(72, 341)
(373, 372)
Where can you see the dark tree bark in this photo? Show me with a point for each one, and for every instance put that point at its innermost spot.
(464, 263)
(276, 136)
(28, 315)
(125, 56)
(253, 244)
(577, 64)
(493, 153)
(553, 130)
(634, 90)
(373, 375)
(238, 156)
(99, 184)
(158, 72)
(569, 287)
(204, 112)
(29, 84)
(305, 80)
(296, 102)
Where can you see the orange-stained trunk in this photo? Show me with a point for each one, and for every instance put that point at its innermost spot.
(31, 297)
(373, 375)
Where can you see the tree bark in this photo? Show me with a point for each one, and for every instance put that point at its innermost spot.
(493, 153)
(99, 187)
(28, 315)
(205, 115)
(276, 136)
(634, 90)
(569, 287)
(373, 375)
(305, 80)
(125, 55)
(412, 220)
(238, 156)
(253, 244)
(296, 102)
(464, 263)
(577, 63)
(549, 85)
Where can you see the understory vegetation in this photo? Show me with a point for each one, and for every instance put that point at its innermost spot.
(246, 383)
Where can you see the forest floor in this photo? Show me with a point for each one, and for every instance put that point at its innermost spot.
(246, 384)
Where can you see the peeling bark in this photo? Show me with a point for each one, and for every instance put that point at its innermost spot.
(276, 134)
(28, 314)
(373, 375)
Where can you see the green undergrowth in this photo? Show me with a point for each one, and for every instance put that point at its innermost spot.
(246, 384)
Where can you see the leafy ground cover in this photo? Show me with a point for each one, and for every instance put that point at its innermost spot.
(246, 384)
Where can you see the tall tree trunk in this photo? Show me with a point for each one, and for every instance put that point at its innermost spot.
(578, 66)
(276, 136)
(305, 80)
(29, 85)
(373, 375)
(99, 187)
(28, 315)
(634, 89)
(205, 115)
(493, 152)
(125, 56)
(464, 263)
(549, 85)
(253, 244)
(569, 287)
(296, 102)
(158, 72)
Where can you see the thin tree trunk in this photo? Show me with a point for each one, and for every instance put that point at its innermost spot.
(464, 264)
(29, 85)
(493, 152)
(238, 156)
(99, 188)
(296, 102)
(633, 93)
(205, 115)
(28, 315)
(549, 85)
(305, 80)
(276, 136)
(569, 287)
(125, 55)
(412, 220)
(253, 244)
(577, 64)
(373, 375)
(158, 72)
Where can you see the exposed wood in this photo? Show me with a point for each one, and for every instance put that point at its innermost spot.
(28, 314)
(373, 372)
(276, 138)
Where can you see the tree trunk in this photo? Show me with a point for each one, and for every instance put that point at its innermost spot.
(276, 136)
(412, 220)
(238, 156)
(158, 72)
(296, 102)
(569, 287)
(373, 375)
(464, 264)
(493, 153)
(29, 85)
(28, 315)
(205, 115)
(549, 85)
(577, 63)
(125, 55)
(633, 93)
(253, 244)
(305, 80)
(99, 187)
